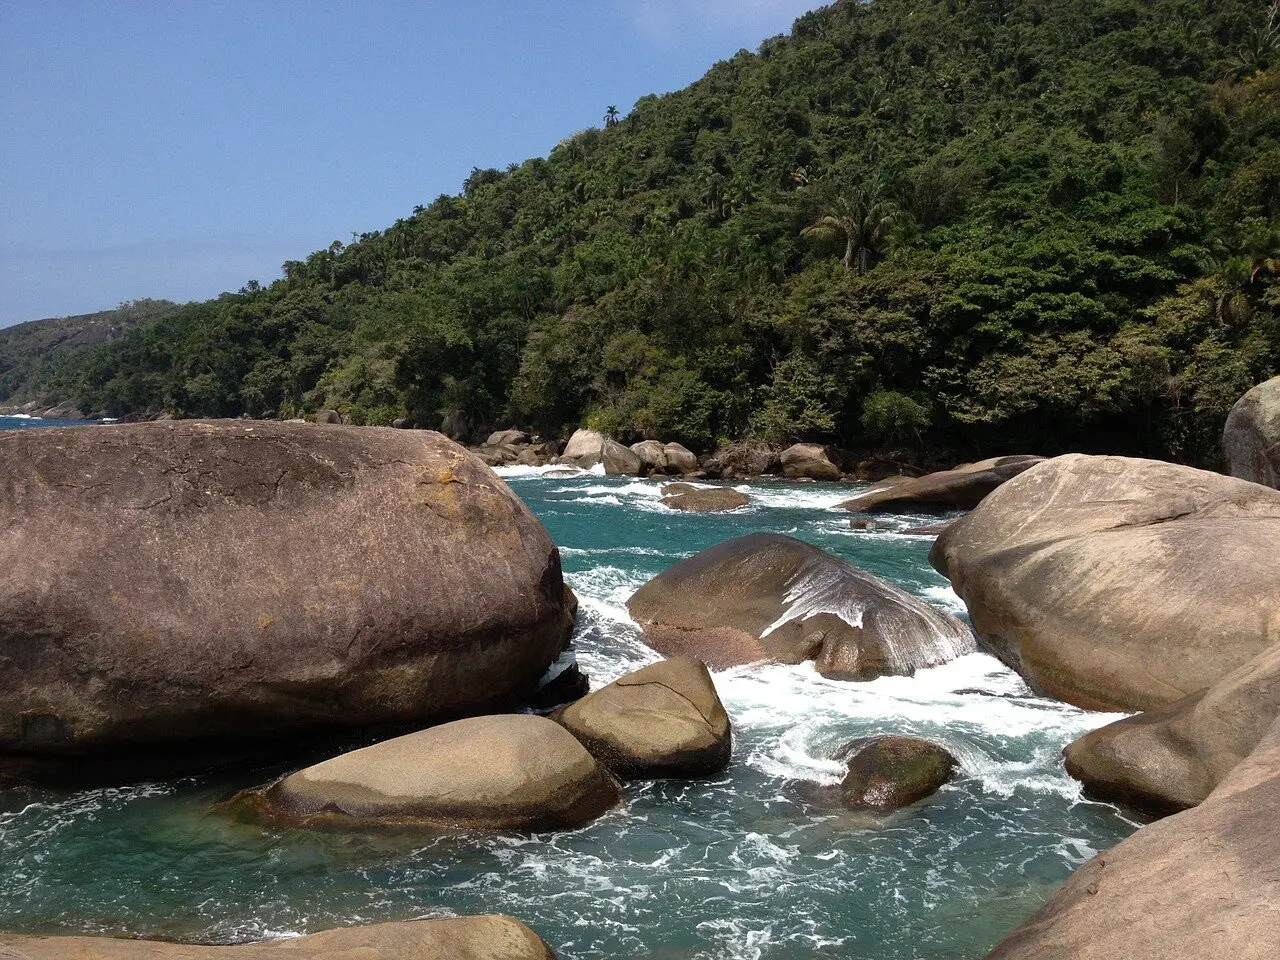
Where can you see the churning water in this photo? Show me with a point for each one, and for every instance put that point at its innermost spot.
(739, 866)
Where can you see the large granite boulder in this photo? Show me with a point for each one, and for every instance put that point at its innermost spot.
(1120, 584)
(743, 460)
(620, 461)
(680, 459)
(1251, 438)
(888, 772)
(652, 454)
(810, 461)
(457, 425)
(452, 938)
(963, 487)
(190, 580)
(664, 720)
(769, 597)
(585, 448)
(504, 772)
(1173, 757)
(691, 499)
(1200, 885)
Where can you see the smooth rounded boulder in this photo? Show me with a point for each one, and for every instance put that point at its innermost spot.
(619, 460)
(664, 720)
(680, 459)
(503, 772)
(492, 937)
(888, 772)
(1251, 437)
(810, 461)
(1199, 885)
(1119, 584)
(652, 454)
(585, 448)
(1173, 757)
(962, 487)
(180, 581)
(770, 597)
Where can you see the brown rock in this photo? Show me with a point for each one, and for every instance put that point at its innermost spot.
(503, 438)
(743, 460)
(704, 499)
(187, 580)
(888, 772)
(664, 720)
(963, 487)
(585, 448)
(1251, 438)
(1200, 885)
(619, 460)
(1120, 584)
(533, 776)
(810, 461)
(768, 597)
(652, 454)
(680, 459)
(1173, 757)
(329, 417)
(453, 938)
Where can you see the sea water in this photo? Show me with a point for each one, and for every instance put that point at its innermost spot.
(742, 865)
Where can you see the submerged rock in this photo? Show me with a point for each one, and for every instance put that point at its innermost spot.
(703, 499)
(664, 720)
(507, 772)
(888, 772)
(1200, 885)
(1120, 584)
(1251, 438)
(769, 597)
(1173, 757)
(963, 487)
(453, 938)
(171, 582)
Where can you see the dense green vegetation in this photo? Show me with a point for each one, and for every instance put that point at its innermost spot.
(996, 224)
(42, 360)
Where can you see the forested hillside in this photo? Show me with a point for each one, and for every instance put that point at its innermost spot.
(995, 224)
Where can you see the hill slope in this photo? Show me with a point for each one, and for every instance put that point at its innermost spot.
(1006, 224)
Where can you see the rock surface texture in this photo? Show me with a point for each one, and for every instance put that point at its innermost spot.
(174, 581)
(1120, 584)
(1200, 885)
(889, 772)
(774, 598)
(963, 487)
(810, 461)
(693, 499)
(506, 772)
(453, 938)
(620, 461)
(1251, 439)
(585, 448)
(664, 720)
(1173, 757)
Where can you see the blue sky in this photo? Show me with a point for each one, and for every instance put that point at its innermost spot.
(178, 149)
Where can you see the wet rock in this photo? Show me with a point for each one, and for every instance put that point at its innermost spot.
(1251, 438)
(664, 720)
(565, 687)
(962, 487)
(769, 597)
(1120, 584)
(810, 461)
(620, 461)
(888, 772)
(928, 530)
(704, 499)
(180, 581)
(861, 523)
(534, 776)
(1173, 757)
(1199, 885)
(453, 938)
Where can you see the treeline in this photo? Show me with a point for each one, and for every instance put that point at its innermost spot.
(1002, 224)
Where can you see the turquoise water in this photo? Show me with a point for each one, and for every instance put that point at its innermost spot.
(21, 422)
(739, 866)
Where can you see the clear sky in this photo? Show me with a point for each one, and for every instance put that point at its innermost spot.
(178, 148)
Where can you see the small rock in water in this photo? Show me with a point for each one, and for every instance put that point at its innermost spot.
(889, 772)
(665, 720)
(860, 523)
(704, 500)
(568, 685)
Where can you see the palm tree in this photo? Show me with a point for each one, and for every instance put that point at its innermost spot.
(863, 219)
(611, 116)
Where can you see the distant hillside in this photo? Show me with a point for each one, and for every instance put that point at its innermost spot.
(40, 358)
(1003, 225)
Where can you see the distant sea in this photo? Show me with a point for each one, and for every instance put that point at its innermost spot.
(23, 421)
